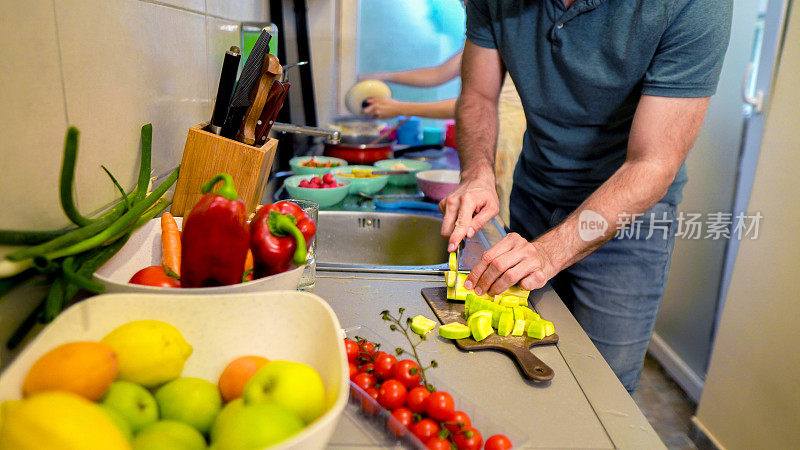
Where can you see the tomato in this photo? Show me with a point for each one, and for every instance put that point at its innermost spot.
(367, 368)
(437, 443)
(425, 429)
(403, 417)
(498, 442)
(364, 381)
(352, 350)
(383, 365)
(415, 400)
(367, 351)
(154, 276)
(402, 372)
(440, 406)
(369, 407)
(353, 370)
(458, 421)
(392, 394)
(468, 439)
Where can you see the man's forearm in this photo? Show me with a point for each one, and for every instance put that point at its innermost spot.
(632, 190)
(476, 135)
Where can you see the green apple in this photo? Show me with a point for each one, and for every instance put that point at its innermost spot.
(190, 400)
(258, 425)
(169, 434)
(293, 385)
(119, 421)
(133, 402)
(229, 412)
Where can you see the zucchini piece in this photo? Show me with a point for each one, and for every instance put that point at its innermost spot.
(422, 325)
(450, 278)
(452, 263)
(475, 316)
(548, 327)
(530, 315)
(454, 330)
(536, 329)
(496, 311)
(451, 293)
(481, 328)
(519, 321)
(506, 323)
(509, 300)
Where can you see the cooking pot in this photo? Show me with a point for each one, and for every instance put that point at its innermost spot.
(356, 135)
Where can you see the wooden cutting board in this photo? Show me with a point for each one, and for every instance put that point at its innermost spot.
(518, 347)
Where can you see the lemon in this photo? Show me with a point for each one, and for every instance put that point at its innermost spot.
(150, 352)
(59, 420)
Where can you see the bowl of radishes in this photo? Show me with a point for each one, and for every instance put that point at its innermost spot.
(325, 190)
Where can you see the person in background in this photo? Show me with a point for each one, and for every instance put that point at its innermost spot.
(614, 96)
(510, 114)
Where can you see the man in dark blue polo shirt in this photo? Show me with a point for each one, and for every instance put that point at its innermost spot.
(614, 92)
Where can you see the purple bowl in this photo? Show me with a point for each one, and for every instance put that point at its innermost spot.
(438, 184)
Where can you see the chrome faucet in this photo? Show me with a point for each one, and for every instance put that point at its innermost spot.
(331, 136)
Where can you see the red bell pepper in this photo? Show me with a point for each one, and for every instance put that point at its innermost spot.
(215, 237)
(280, 235)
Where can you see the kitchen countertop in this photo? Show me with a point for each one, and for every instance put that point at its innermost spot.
(584, 406)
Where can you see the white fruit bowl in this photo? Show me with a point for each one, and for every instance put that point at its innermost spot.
(143, 249)
(279, 325)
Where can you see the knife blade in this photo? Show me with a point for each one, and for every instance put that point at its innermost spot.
(241, 95)
(270, 71)
(227, 80)
(459, 250)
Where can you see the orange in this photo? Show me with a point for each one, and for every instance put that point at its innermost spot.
(83, 368)
(236, 375)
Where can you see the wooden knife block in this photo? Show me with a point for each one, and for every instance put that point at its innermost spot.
(207, 154)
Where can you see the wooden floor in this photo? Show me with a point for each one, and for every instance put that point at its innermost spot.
(665, 405)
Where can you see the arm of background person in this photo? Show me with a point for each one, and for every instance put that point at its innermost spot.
(475, 201)
(386, 108)
(663, 131)
(424, 77)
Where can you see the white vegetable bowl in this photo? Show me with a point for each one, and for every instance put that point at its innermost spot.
(143, 249)
(279, 325)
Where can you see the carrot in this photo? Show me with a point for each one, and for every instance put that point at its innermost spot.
(170, 243)
(248, 266)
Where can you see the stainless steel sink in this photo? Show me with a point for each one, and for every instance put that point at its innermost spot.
(387, 242)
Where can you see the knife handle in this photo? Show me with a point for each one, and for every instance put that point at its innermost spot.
(227, 80)
(258, 98)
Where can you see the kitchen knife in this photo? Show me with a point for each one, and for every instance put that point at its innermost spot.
(459, 251)
(227, 80)
(270, 70)
(264, 122)
(241, 96)
(423, 206)
(262, 133)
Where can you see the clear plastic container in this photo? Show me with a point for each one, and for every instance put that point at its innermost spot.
(378, 420)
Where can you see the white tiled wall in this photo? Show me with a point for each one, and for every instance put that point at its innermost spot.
(107, 67)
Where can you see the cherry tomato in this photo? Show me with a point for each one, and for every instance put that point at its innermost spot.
(367, 351)
(367, 368)
(404, 417)
(364, 381)
(415, 400)
(370, 408)
(498, 442)
(402, 372)
(458, 421)
(468, 439)
(437, 443)
(353, 370)
(154, 276)
(440, 406)
(425, 429)
(352, 350)
(392, 394)
(383, 365)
